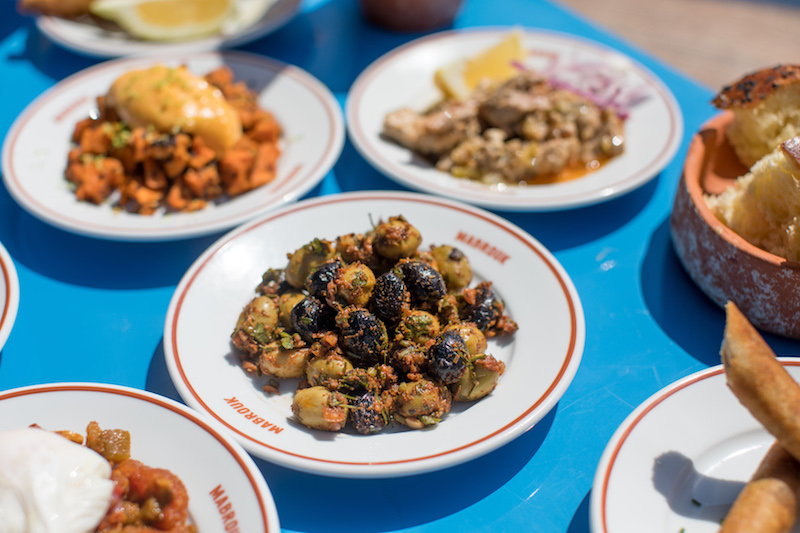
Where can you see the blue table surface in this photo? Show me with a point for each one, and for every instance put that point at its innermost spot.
(94, 310)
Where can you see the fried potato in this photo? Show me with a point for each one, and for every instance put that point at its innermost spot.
(760, 381)
(768, 503)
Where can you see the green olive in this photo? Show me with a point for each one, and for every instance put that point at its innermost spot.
(305, 259)
(321, 370)
(421, 403)
(472, 335)
(319, 408)
(410, 359)
(284, 363)
(479, 380)
(355, 284)
(418, 326)
(286, 303)
(256, 325)
(453, 266)
(396, 238)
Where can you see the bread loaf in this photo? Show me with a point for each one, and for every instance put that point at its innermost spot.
(763, 206)
(766, 108)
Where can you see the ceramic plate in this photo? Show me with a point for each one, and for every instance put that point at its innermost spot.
(162, 431)
(541, 360)
(679, 460)
(87, 36)
(36, 147)
(9, 295)
(404, 78)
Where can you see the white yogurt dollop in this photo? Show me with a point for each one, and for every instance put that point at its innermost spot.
(49, 484)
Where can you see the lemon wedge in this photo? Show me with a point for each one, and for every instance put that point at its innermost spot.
(459, 78)
(165, 20)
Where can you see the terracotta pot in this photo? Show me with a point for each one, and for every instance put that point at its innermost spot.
(410, 15)
(725, 266)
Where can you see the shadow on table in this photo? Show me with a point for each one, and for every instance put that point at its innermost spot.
(158, 379)
(394, 504)
(682, 310)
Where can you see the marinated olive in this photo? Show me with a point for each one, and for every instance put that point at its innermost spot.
(256, 325)
(305, 259)
(485, 308)
(418, 326)
(319, 408)
(273, 282)
(317, 282)
(353, 286)
(354, 247)
(473, 337)
(286, 303)
(396, 238)
(454, 267)
(283, 363)
(368, 414)
(424, 283)
(421, 403)
(390, 297)
(310, 318)
(321, 370)
(479, 380)
(410, 359)
(363, 335)
(448, 356)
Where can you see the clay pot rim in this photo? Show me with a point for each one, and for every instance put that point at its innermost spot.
(695, 168)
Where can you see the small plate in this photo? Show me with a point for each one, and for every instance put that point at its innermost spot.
(541, 359)
(162, 432)
(87, 36)
(404, 78)
(35, 149)
(9, 295)
(679, 460)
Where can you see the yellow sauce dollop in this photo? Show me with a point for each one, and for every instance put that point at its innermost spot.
(168, 98)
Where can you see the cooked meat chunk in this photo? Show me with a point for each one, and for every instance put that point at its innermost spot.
(521, 131)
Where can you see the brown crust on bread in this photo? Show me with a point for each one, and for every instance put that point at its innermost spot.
(755, 87)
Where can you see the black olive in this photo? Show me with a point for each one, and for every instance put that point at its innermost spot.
(311, 317)
(423, 281)
(367, 414)
(486, 309)
(317, 281)
(363, 335)
(447, 357)
(389, 297)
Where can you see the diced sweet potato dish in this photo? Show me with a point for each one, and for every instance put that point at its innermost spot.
(174, 170)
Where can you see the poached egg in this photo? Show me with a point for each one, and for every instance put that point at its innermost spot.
(49, 484)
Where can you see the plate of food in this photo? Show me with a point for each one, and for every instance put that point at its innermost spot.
(114, 28)
(9, 295)
(513, 119)
(685, 458)
(94, 457)
(375, 334)
(174, 147)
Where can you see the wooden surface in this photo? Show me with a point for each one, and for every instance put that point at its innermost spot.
(714, 42)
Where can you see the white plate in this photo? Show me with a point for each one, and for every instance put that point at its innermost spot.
(9, 295)
(35, 149)
(162, 432)
(86, 36)
(679, 460)
(541, 360)
(404, 78)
